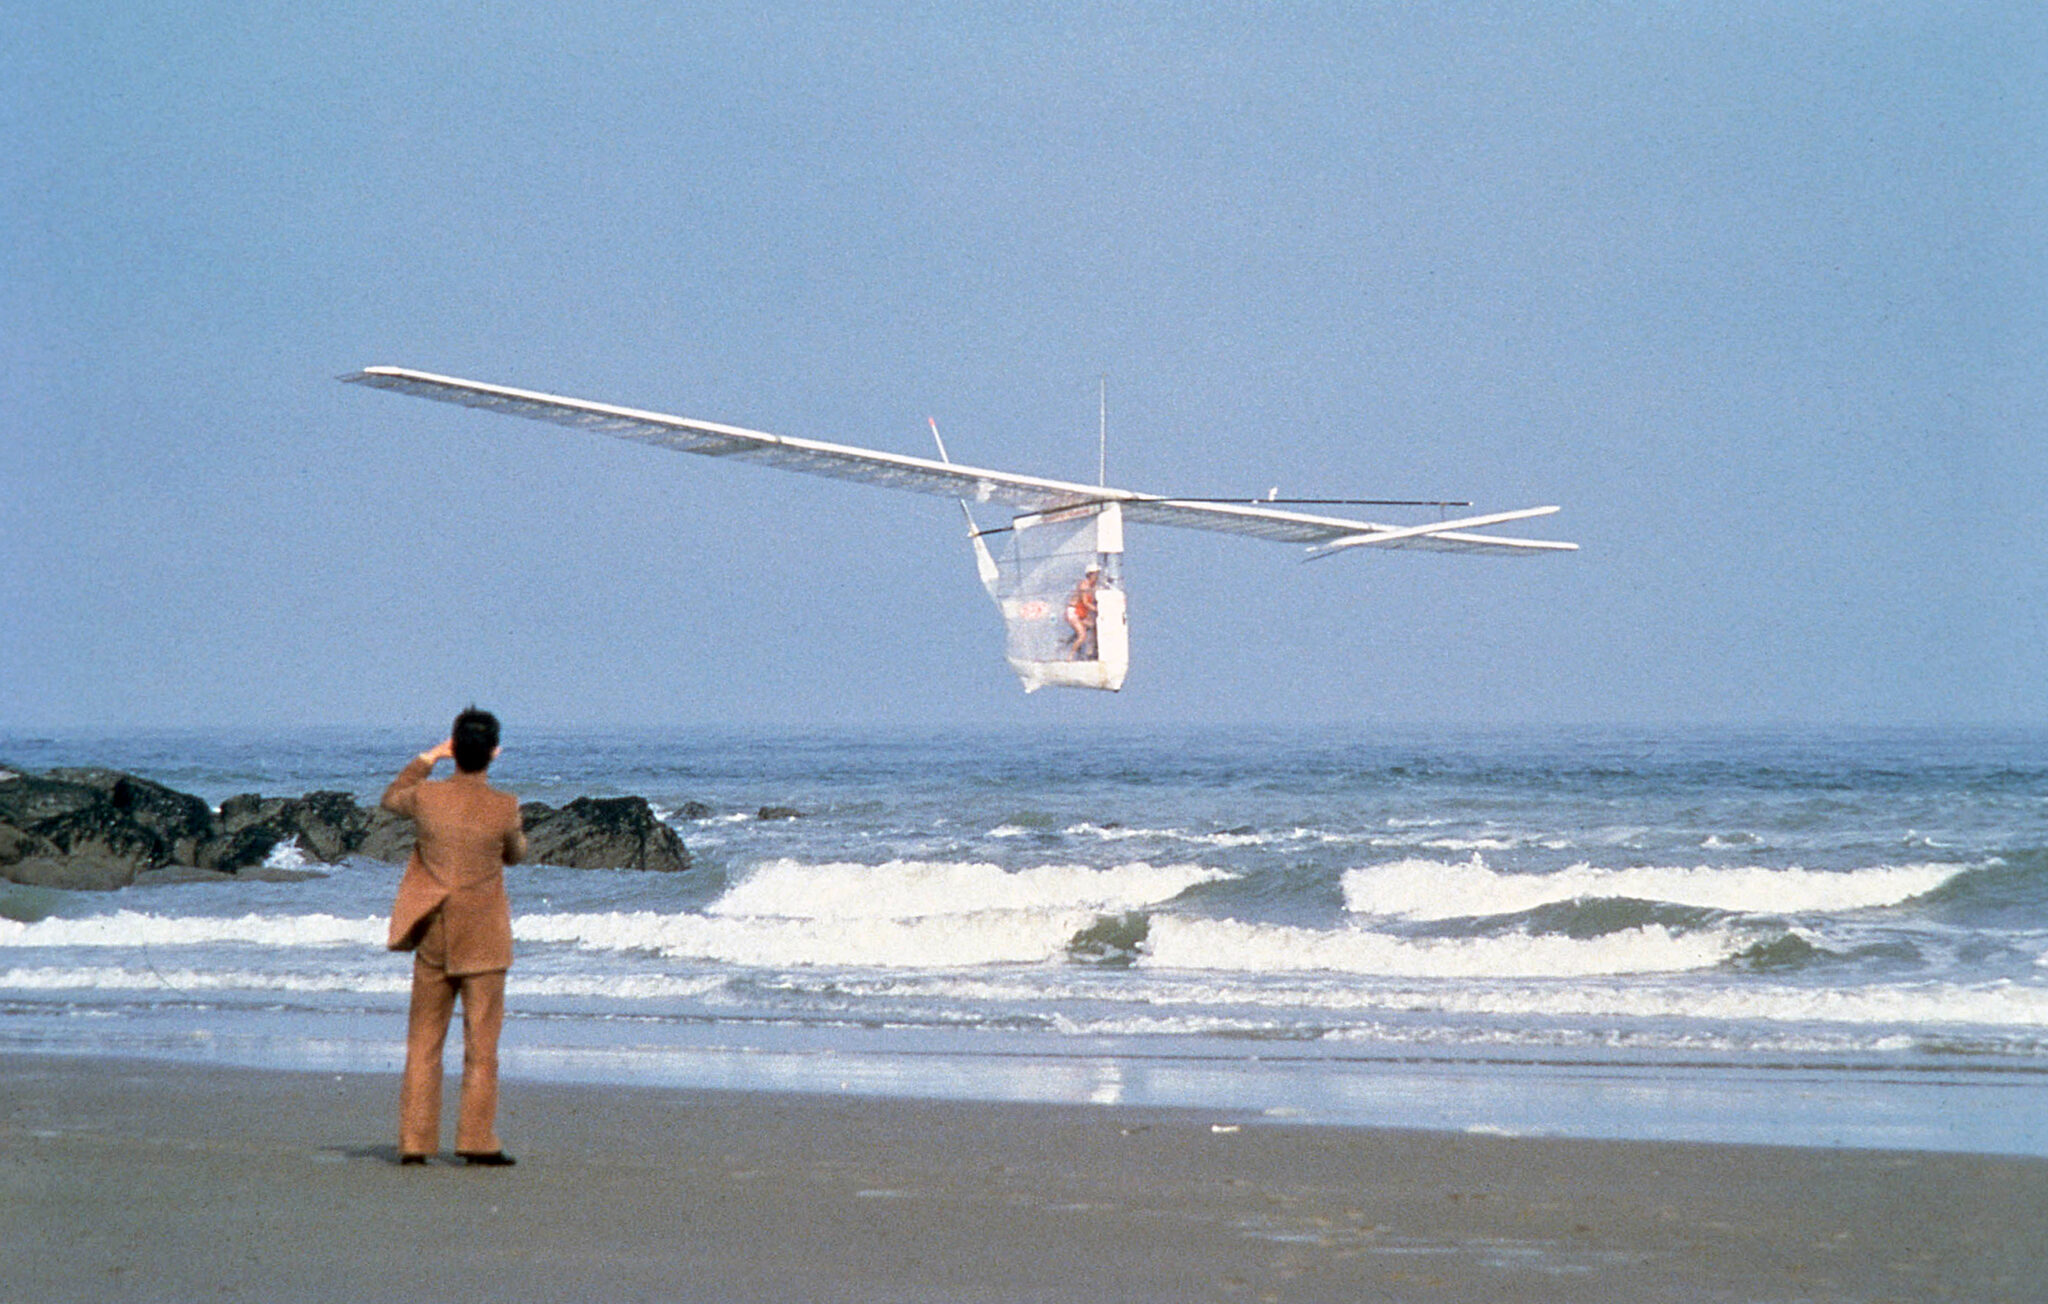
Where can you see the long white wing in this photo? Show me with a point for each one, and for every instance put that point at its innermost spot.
(951, 479)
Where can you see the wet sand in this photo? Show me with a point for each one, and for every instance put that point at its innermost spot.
(126, 1180)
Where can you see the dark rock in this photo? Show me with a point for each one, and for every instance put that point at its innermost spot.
(329, 826)
(244, 809)
(171, 875)
(389, 837)
(82, 871)
(174, 875)
(245, 848)
(105, 835)
(1112, 941)
(69, 832)
(17, 845)
(178, 820)
(97, 829)
(588, 833)
(778, 813)
(695, 810)
(602, 833)
(250, 829)
(27, 800)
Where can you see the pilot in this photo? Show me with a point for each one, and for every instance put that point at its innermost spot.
(1081, 615)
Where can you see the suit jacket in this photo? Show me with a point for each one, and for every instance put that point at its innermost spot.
(468, 832)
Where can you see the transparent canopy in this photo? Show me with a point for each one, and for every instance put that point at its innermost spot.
(1059, 584)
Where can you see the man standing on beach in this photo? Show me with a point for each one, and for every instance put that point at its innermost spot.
(453, 915)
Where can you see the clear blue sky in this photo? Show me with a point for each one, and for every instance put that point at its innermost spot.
(1755, 291)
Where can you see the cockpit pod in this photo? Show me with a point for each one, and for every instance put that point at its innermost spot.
(1059, 584)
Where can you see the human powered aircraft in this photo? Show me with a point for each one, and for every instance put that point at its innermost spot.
(1059, 577)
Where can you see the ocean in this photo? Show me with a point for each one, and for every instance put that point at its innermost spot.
(1815, 938)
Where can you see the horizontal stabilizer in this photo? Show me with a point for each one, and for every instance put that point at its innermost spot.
(1448, 536)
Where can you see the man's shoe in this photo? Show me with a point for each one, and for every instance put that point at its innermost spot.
(495, 1159)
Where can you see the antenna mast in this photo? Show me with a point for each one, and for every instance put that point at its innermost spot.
(1102, 436)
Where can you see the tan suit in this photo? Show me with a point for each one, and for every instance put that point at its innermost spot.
(452, 913)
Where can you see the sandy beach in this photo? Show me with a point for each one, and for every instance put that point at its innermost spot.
(130, 1180)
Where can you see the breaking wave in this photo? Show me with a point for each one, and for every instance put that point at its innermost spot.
(917, 889)
(900, 914)
(287, 854)
(138, 928)
(942, 941)
(1431, 889)
(1228, 945)
(972, 937)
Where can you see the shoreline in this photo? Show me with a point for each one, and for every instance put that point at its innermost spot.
(147, 1179)
(1947, 1108)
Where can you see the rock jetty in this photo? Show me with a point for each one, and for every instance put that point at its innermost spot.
(99, 829)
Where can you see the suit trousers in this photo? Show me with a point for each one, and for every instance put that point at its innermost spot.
(434, 994)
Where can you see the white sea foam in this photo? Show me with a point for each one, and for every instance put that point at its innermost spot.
(613, 986)
(136, 928)
(912, 889)
(1167, 1025)
(1432, 889)
(287, 855)
(1470, 844)
(390, 979)
(1223, 839)
(1923, 1005)
(1668, 1010)
(1715, 842)
(1497, 842)
(1575, 1030)
(943, 941)
(900, 914)
(1626, 997)
(1678, 1013)
(903, 913)
(186, 979)
(1126, 834)
(1221, 944)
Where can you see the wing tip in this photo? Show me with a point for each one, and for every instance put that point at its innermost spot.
(373, 375)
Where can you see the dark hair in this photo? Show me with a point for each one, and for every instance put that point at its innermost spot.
(476, 738)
